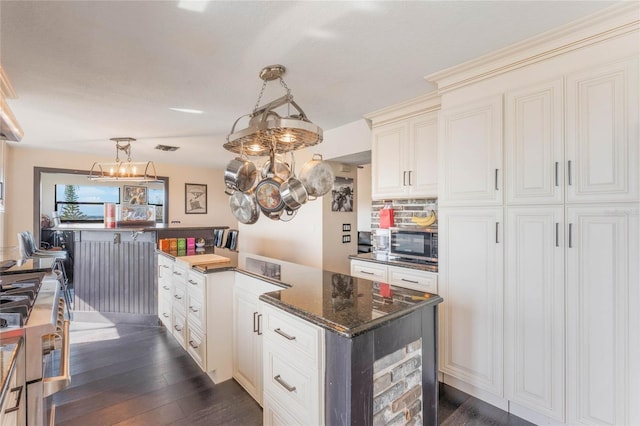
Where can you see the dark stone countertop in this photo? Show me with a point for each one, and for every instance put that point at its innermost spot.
(23, 266)
(346, 305)
(342, 304)
(383, 259)
(156, 227)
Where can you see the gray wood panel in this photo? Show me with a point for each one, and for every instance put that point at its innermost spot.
(118, 278)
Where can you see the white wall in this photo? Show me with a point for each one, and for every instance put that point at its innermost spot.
(21, 161)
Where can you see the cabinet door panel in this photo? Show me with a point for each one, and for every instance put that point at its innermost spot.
(603, 302)
(471, 147)
(470, 281)
(534, 144)
(602, 133)
(423, 157)
(388, 160)
(245, 352)
(534, 309)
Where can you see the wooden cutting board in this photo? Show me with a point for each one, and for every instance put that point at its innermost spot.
(202, 259)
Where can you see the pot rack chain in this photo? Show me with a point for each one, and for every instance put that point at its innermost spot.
(126, 148)
(264, 85)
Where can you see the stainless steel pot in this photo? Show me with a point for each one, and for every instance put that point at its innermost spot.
(292, 190)
(317, 177)
(268, 193)
(280, 169)
(240, 175)
(244, 208)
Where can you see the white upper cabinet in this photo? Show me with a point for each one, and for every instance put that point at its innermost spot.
(534, 144)
(404, 150)
(602, 133)
(471, 154)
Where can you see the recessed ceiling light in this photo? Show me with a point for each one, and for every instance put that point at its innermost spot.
(167, 148)
(187, 110)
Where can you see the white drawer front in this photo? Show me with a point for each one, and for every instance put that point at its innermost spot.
(179, 328)
(415, 280)
(369, 270)
(196, 346)
(273, 414)
(196, 281)
(165, 268)
(291, 333)
(164, 288)
(293, 385)
(179, 298)
(196, 309)
(164, 311)
(179, 274)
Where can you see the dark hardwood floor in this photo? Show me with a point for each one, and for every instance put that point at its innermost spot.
(132, 375)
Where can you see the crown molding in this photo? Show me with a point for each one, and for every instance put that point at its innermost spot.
(6, 89)
(614, 21)
(420, 105)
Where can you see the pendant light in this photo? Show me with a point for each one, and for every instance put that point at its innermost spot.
(123, 170)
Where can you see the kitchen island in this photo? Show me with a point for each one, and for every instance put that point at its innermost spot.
(329, 348)
(115, 269)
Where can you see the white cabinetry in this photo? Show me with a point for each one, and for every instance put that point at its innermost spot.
(602, 133)
(471, 154)
(603, 305)
(247, 333)
(369, 270)
(293, 360)
(534, 309)
(470, 272)
(197, 309)
(404, 150)
(534, 148)
(396, 275)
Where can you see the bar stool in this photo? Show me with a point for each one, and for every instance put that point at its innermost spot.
(28, 250)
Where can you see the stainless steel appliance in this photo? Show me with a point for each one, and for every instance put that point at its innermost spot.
(32, 302)
(419, 244)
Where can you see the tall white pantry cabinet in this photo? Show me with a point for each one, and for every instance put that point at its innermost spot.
(539, 224)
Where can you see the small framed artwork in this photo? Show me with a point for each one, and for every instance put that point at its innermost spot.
(342, 195)
(195, 198)
(134, 194)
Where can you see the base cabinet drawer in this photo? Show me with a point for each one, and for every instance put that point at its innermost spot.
(413, 279)
(196, 346)
(274, 414)
(292, 334)
(369, 270)
(292, 385)
(164, 311)
(179, 328)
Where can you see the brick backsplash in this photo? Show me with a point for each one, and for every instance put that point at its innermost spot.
(404, 210)
(397, 387)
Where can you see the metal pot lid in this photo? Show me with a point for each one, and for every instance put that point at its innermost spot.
(240, 174)
(317, 177)
(244, 208)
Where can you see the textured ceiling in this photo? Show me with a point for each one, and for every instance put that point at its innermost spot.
(86, 71)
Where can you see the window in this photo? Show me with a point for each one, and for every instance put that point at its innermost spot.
(156, 198)
(84, 203)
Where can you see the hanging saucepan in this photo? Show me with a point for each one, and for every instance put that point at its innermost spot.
(288, 214)
(239, 175)
(244, 208)
(280, 169)
(268, 194)
(317, 177)
(292, 191)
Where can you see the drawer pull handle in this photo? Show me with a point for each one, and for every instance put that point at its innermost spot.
(367, 272)
(166, 288)
(177, 273)
(193, 310)
(193, 282)
(285, 335)
(177, 297)
(255, 328)
(177, 328)
(194, 346)
(409, 281)
(284, 384)
(166, 315)
(164, 266)
(17, 406)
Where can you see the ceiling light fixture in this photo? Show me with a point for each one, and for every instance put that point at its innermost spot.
(124, 170)
(268, 130)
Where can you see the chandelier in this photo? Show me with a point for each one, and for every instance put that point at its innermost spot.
(124, 170)
(279, 127)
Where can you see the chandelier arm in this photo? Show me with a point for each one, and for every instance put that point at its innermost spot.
(233, 128)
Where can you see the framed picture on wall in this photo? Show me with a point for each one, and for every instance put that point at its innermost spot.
(195, 198)
(134, 194)
(342, 195)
